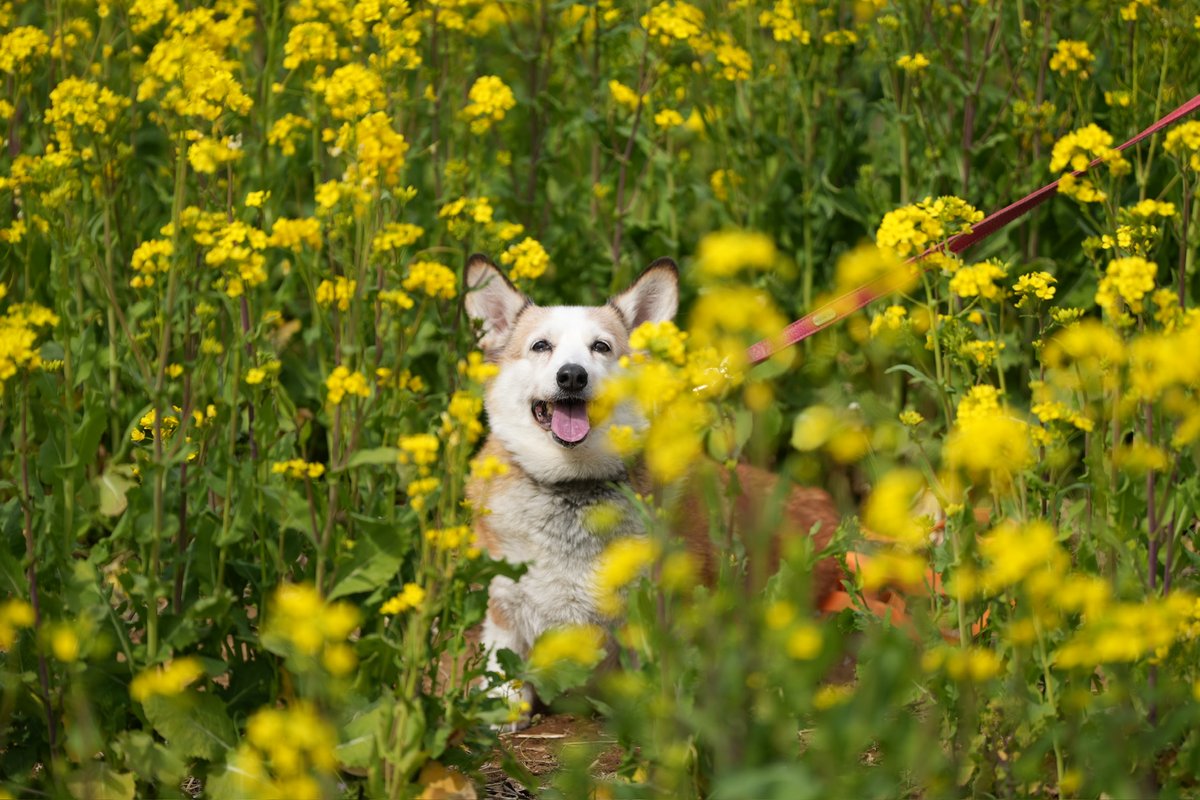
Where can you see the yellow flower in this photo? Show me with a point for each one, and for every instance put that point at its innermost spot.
(490, 99)
(528, 260)
(735, 63)
(166, 680)
(979, 280)
(395, 235)
(781, 19)
(298, 468)
(340, 291)
(309, 42)
(912, 64)
(256, 199)
(668, 118)
(1184, 141)
(887, 511)
(911, 418)
(1077, 150)
(1128, 279)
(431, 278)
(409, 598)
(727, 253)
(255, 376)
(1071, 56)
(64, 643)
(911, 230)
(420, 449)
(1035, 285)
(342, 382)
(673, 20)
(19, 47)
(623, 95)
(293, 234)
(352, 91)
(581, 644)
(840, 38)
(620, 563)
(804, 643)
(14, 615)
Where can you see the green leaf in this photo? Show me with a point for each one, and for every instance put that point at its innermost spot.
(368, 566)
(359, 736)
(149, 759)
(112, 487)
(98, 782)
(195, 724)
(373, 455)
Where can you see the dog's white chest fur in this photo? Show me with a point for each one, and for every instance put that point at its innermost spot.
(551, 529)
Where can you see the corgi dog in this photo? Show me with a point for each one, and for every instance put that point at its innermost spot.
(552, 360)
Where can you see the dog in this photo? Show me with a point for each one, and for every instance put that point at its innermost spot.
(551, 361)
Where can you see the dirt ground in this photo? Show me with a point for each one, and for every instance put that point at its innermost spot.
(540, 747)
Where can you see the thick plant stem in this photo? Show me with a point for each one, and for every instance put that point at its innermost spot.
(31, 568)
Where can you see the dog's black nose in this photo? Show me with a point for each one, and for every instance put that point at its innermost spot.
(571, 377)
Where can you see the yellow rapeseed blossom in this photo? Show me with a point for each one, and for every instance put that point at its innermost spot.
(888, 510)
(432, 279)
(735, 62)
(527, 260)
(298, 468)
(338, 292)
(662, 339)
(342, 382)
(1128, 280)
(911, 230)
(284, 132)
(1183, 141)
(14, 615)
(673, 20)
(20, 47)
(151, 258)
(294, 234)
(913, 63)
(166, 680)
(410, 597)
(979, 280)
(309, 42)
(784, 25)
(1071, 56)
(623, 95)
(19, 348)
(1077, 150)
(299, 616)
(1039, 285)
(351, 92)
(420, 449)
(490, 99)
(727, 253)
(620, 563)
(395, 235)
(580, 644)
(668, 118)
(287, 752)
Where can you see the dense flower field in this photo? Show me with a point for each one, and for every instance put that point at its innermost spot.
(240, 399)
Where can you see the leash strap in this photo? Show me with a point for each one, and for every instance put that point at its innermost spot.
(845, 305)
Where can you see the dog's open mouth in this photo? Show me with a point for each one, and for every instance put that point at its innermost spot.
(565, 418)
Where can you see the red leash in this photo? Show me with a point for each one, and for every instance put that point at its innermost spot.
(852, 301)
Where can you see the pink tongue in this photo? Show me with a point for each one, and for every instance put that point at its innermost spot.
(570, 421)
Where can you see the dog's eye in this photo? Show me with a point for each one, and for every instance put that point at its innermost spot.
(601, 346)
(540, 346)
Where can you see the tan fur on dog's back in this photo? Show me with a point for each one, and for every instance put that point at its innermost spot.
(802, 509)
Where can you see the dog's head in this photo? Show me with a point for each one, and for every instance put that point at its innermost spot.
(552, 360)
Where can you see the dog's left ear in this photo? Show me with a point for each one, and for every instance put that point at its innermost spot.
(653, 297)
(492, 300)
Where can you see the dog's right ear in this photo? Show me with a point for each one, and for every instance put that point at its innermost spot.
(493, 301)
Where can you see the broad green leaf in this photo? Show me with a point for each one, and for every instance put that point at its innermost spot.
(374, 455)
(98, 782)
(111, 487)
(195, 724)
